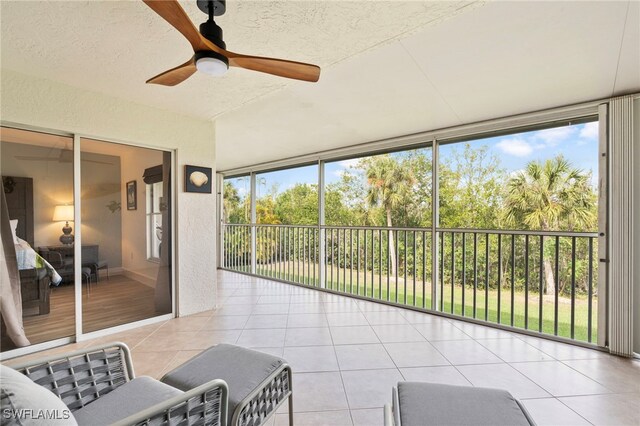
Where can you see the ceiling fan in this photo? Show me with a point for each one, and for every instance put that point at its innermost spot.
(65, 156)
(210, 54)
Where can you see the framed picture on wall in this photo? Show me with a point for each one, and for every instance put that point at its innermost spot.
(197, 179)
(132, 195)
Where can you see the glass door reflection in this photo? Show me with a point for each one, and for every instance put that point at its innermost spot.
(37, 224)
(126, 233)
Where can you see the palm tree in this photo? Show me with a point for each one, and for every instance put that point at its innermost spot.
(550, 196)
(389, 184)
(231, 201)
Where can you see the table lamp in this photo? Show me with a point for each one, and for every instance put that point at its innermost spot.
(64, 213)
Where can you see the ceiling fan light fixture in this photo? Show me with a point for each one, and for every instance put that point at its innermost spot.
(211, 63)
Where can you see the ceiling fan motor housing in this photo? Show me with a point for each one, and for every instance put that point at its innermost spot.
(212, 32)
(219, 6)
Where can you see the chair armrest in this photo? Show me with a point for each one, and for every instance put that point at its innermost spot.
(81, 376)
(206, 404)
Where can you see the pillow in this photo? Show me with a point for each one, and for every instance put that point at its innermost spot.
(27, 403)
(14, 228)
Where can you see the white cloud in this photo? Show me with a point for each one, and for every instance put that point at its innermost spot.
(516, 173)
(589, 131)
(515, 146)
(349, 164)
(552, 137)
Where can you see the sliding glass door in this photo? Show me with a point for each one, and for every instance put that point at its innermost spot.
(112, 263)
(126, 233)
(37, 224)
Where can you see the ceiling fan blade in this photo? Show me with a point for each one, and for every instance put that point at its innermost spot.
(174, 14)
(175, 75)
(58, 159)
(29, 158)
(97, 162)
(279, 67)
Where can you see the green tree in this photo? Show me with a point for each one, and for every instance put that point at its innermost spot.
(419, 210)
(265, 211)
(235, 206)
(471, 189)
(231, 201)
(389, 184)
(298, 205)
(345, 200)
(552, 195)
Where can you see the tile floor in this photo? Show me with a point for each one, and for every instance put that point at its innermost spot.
(346, 355)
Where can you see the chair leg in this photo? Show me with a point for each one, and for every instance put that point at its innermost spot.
(291, 409)
(86, 279)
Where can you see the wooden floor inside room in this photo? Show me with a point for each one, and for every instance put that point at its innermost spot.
(118, 300)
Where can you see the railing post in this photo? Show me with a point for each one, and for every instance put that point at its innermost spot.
(435, 217)
(321, 231)
(253, 224)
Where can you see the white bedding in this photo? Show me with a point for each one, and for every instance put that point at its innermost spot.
(29, 259)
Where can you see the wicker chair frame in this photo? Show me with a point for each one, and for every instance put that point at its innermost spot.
(80, 377)
(267, 397)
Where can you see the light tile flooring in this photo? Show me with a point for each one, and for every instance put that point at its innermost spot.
(346, 354)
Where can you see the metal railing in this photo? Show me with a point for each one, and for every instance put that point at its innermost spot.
(539, 281)
(237, 251)
(288, 253)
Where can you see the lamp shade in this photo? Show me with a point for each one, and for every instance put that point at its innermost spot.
(63, 213)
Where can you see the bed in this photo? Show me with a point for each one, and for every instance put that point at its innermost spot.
(36, 275)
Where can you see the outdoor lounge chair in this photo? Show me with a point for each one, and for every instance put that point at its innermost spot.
(424, 404)
(99, 387)
(258, 383)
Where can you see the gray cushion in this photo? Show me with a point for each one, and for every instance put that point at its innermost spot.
(423, 404)
(243, 370)
(130, 398)
(18, 392)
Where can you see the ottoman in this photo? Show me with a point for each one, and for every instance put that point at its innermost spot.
(422, 404)
(258, 383)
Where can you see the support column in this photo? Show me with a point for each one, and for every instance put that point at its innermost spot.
(435, 219)
(321, 223)
(220, 220)
(253, 224)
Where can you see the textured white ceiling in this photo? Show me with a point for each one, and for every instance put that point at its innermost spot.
(390, 68)
(115, 46)
(494, 61)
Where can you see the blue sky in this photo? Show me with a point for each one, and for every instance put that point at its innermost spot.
(578, 143)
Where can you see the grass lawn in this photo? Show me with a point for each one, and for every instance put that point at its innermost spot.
(375, 287)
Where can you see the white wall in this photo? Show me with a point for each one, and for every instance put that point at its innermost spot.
(100, 186)
(134, 222)
(53, 185)
(48, 104)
